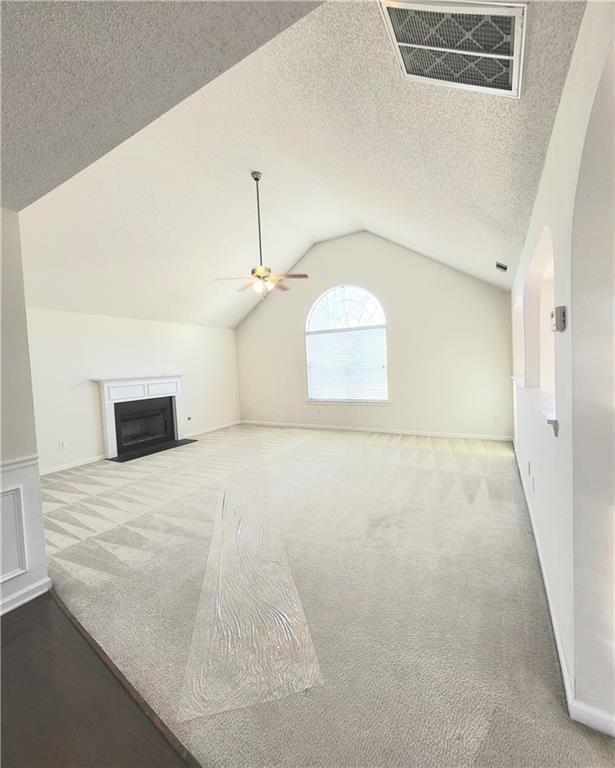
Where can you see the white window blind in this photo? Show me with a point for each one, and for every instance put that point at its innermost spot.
(346, 347)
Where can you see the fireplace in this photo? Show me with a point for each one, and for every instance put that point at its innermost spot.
(144, 424)
(141, 416)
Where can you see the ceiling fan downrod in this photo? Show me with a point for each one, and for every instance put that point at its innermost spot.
(261, 280)
(257, 176)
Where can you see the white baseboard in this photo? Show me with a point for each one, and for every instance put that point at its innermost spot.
(25, 595)
(213, 429)
(598, 719)
(72, 464)
(93, 459)
(595, 718)
(567, 677)
(381, 430)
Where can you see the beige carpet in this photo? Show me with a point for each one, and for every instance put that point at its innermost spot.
(400, 573)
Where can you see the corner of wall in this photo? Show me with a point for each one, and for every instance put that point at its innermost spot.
(24, 565)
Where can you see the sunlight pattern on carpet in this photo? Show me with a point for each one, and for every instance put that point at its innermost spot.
(251, 642)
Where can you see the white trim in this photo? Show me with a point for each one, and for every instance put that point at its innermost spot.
(101, 457)
(346, 329)
(25, 595)
(23, 474)
(20, 463)
(20, 530)
(566, 676)
(139, 378)
(214, 429)
(381, 430)
(477, 54)
(481, 54)
(593, 717)
(72, 464)
(114, 391)
(315, 401)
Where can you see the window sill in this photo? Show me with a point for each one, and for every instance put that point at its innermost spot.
(347, 402)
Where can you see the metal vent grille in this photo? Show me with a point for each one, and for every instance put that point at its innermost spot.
(471, 45)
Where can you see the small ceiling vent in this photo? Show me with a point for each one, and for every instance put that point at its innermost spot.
(466, 45)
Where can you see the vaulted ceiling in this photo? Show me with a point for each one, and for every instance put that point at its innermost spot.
(78, 78)
(344, 143)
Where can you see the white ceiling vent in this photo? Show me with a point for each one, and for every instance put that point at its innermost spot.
(467, 45)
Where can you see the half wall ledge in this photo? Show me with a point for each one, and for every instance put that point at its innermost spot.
(542, 400)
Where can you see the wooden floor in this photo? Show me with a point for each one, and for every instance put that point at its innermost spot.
(62, 707)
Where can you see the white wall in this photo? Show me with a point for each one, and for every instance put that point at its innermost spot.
(593, 410)
(448, 334)
(549, 487)
(538, 293)
(547, 336)
(23, 566)
(68, 350)
(518, 339)
(18, 435)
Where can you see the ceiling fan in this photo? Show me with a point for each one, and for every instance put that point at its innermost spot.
(262, 280)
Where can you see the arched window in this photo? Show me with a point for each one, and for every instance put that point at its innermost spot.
(346, 347)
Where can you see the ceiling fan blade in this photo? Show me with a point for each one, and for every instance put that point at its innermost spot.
(218, 279)
(279, 284)
(291, 277)
(246, 286)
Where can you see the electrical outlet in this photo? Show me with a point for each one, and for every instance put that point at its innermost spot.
(60, 444)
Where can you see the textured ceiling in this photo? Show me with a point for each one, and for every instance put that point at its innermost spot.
(78, 78)
(344, 143)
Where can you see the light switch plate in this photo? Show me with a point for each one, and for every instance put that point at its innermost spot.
(558, 318)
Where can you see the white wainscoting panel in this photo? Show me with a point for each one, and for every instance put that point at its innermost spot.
(14, 559)
(24, 563)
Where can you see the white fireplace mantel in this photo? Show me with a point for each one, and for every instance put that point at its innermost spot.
(141, 388)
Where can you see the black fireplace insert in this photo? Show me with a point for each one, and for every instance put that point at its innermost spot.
(145, 426)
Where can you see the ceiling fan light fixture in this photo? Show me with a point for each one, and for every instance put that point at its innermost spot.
(263, 286)
(261, 280)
